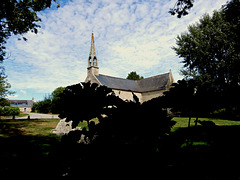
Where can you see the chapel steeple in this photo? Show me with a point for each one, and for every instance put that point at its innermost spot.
(92, 59)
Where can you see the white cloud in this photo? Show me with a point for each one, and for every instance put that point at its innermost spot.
(24, 92)
(129, 36)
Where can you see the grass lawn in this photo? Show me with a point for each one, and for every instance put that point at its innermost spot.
(182, 122)
(10, 117)
(28, 146)
(39, 127)
(84, 123)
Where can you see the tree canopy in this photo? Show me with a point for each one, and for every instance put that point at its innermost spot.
(134, 76)
(211, 57)
(181, 8)
(210, 49)
(4, 84)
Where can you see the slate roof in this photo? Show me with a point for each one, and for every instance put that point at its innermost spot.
(21, 103)
(144, 85)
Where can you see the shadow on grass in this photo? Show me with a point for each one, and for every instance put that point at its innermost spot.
(25, 155)
(212, 153)
(208, 152)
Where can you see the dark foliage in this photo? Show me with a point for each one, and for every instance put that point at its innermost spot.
(4, 102)
(134, 76)
(181, 8)
(192, 98)
(126, 130)
(43, 106)
(84, 101)
(120, 122)
(4, 84)
(210, 52)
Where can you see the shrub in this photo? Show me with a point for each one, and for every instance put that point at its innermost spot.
(9, 111)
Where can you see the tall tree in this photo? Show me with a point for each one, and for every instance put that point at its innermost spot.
(56, 99)
(211, 54)
(209, 50)
(4, 84)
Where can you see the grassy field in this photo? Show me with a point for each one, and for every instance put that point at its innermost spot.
(42, 127)
(182, 122)
(38, 127)
(28, 146)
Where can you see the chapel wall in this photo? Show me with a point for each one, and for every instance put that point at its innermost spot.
(127, 95)
(146, 96)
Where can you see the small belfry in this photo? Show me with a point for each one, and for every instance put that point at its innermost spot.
(92, 59)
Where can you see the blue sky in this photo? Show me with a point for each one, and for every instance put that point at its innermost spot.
(130, 35)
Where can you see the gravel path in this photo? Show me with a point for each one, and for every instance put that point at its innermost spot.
(39, 116)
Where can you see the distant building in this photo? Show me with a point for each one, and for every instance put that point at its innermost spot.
(144, 89)
(23, 105)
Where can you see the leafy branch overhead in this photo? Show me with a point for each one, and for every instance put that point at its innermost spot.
(181, 8)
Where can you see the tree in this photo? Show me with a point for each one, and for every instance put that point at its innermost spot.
(4, 102)
(210, 52)
(19, 17)
(56, 99)
(181, 8)
(134, 76)
(9, 111)
(4, 84)
(120, 122)
(192, 99)
(84, 101)
(124, 129)
(44, 106)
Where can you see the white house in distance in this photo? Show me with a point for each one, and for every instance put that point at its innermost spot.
(23, 105)
(144, 89)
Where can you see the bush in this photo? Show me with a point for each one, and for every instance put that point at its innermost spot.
(120, 122)
(9, 111)
(44, 106)
(4, 102)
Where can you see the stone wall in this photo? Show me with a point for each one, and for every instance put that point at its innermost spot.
(25, 109)
(127, 95)
(146, 96)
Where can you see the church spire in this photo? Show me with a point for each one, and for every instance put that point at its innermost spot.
(92, 59)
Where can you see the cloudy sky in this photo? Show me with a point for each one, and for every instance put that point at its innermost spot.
(130, 35)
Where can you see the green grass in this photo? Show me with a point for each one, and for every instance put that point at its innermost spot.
(200, 136)
(10, 117)
(42, 127)
(29, 146)
(182, 122)
(84, 123)
(39, 127)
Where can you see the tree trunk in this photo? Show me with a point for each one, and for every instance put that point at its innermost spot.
(196, 121)
(188, 132)
(189, 121)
